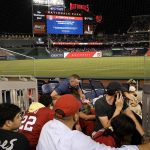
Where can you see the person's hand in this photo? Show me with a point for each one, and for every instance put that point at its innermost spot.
(119, 101)
(133, 103)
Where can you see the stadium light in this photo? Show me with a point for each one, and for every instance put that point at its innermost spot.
(40, 2)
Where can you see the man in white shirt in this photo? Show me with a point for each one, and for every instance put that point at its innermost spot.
(57, 134)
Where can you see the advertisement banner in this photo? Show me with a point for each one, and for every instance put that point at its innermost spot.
(82, 54)
(57, 54)
(55, 8)
(148, 53)
(38, 17)
(76, 43)
(79, 6)
(88, 29)
(39, 28)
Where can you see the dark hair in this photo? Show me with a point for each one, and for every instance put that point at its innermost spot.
(123, 127)
(59, 114)
(45, 99)
(8, 112)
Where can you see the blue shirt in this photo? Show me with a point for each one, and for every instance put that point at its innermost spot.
(65, 88)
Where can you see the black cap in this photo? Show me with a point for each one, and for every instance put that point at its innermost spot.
(115, 86)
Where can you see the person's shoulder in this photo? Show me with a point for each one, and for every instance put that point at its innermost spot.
(45, 111)
(20, 136)
(80, 137)
(100, 101)
(82, 141)
(64, 83)
(48, 124)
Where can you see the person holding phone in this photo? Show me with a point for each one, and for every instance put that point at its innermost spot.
(111, 105)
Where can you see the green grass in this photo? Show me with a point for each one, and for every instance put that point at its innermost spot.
(105, 67)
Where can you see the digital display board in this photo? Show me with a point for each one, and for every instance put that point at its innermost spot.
(57, 24)
(88, 29)
(39, 28)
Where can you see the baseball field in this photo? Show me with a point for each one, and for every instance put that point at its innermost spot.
(104, 67)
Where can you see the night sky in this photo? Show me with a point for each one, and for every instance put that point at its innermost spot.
(16, 15)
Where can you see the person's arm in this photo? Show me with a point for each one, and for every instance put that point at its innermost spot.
(130, 96)
(82, 96)
(55, 95)
(129, 113)
(144, 146)
(85, 116)
(59, 90)
(105, 121)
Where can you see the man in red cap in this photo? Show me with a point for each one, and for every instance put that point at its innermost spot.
(57, 134)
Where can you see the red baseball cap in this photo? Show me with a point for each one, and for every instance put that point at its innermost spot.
(68, 104)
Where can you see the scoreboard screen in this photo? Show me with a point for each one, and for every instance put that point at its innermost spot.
(58, 24)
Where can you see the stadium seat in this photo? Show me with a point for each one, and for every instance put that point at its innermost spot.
(92, 89)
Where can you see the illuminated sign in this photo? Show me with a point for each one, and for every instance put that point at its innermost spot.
(49, 2)
(79, 6)
(57, 24)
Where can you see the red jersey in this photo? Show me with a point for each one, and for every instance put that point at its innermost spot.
(33, 122)
(107, 140)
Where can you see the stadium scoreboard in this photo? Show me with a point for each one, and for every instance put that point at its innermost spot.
(49, 17)
(59, 24)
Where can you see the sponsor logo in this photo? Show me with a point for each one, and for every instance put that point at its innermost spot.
(57, 55)
(39, 27)
(56, 8)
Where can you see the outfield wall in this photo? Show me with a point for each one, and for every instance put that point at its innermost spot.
(100, 53)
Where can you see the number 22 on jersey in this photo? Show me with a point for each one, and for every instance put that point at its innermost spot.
(27, 123)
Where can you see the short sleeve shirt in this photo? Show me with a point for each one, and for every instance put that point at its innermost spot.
(65, 88)
(102, 108)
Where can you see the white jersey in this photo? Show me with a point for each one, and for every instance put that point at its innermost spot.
(57, 136)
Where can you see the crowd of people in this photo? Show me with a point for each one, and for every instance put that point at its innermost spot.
(65, 119)
(104, 38)
(15, 36)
